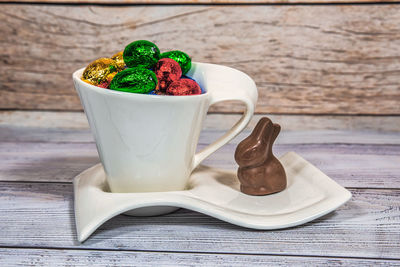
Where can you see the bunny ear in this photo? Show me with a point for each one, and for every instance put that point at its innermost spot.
(276, 131)
(261, 128)
(271, 131)
(253, 139)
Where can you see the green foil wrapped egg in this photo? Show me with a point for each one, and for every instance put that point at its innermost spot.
(141, 53)
(181, 57)
(99, 71)
(134, 80)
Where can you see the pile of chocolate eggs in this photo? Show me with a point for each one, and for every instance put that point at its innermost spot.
(142, 69)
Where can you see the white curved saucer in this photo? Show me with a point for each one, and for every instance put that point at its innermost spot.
(310, 194)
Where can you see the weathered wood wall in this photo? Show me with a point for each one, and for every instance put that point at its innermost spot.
(306, 59)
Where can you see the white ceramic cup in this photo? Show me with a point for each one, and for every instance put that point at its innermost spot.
(147, 143)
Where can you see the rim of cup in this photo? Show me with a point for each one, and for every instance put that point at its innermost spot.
(77, 78)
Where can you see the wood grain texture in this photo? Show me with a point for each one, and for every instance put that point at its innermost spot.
(39, 126)
(351, 165)
(54, 257)
(41, 215)
(77, 120)
(339, 59)
(353, 158)
(65, 135)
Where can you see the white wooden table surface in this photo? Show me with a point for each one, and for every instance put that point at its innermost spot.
(41, 152)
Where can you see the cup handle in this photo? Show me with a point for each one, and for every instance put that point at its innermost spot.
(247, 95)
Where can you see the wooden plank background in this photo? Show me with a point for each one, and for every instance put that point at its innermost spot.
(313, 59)
(53, 257)
(65, 145)
(351, 165)
(32, 194)
(40, 215)
(38, 162)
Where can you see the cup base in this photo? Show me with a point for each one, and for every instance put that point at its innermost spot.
(151, 211)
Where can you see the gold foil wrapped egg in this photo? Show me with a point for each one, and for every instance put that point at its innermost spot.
(100, 71)
(119, 59)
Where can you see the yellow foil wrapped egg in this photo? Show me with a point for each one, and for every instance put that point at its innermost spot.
(119, 59)
(100, 71)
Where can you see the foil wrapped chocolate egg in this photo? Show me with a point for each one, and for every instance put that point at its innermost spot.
(184, 87)
(141, 53)
(190, 78)
(106, 84)
(181, 57)
(119, 60)
(167, 71)
(134, 80)
(99, 71)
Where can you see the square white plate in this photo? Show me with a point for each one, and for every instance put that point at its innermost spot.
(310, 194)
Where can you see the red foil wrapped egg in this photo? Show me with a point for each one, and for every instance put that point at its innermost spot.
(184, 87)
(167, 71)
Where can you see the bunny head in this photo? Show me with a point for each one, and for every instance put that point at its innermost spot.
(257, 147)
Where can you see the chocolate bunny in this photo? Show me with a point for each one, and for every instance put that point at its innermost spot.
(260, 172)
